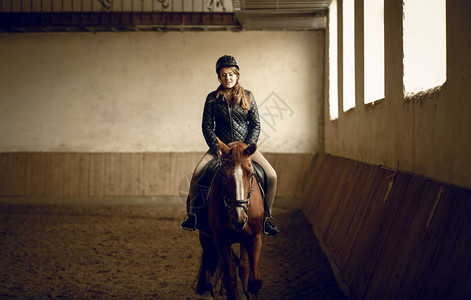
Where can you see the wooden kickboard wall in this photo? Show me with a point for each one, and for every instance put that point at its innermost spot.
(388, 234)
(120, 174)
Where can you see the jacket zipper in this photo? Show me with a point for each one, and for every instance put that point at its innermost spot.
(230, 118)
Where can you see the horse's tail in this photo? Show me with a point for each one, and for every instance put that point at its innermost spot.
(210, 272)
(235, 257)
(218, 273)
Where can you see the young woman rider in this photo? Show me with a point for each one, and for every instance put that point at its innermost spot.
(231, 114)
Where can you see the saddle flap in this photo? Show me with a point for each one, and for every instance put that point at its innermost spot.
(261, 177)
(203, 183)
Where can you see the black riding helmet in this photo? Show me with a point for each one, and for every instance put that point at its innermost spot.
(226, 61)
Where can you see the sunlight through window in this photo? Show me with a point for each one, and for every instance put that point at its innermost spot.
(333, 84)
(374, 50)
(348, 54)
(424, 26)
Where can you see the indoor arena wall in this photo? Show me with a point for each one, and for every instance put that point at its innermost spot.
(120, 113)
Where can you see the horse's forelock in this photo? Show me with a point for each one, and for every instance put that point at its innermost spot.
(238, 152)
(238, 157)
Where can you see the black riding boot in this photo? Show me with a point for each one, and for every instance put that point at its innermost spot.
(189, 222)
(269, 226)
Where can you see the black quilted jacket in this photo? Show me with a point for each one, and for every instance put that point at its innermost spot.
(229, 123)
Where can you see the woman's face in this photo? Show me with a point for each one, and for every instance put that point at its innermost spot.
(227, 77)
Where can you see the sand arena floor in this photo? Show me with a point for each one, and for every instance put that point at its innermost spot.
(130, 248)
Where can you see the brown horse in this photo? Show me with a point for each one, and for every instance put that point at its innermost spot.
(235, 215)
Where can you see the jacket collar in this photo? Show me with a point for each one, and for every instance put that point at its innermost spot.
(220, 98)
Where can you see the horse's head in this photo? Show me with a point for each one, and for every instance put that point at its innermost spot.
(238, 179)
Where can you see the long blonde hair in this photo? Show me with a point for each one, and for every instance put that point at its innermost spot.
(238, 94)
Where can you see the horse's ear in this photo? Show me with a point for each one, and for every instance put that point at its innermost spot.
(250, 150)
(222, 147)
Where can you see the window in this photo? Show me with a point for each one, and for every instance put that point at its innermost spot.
(333, 83)
(424, 39)
(348, 54)
(374, 50)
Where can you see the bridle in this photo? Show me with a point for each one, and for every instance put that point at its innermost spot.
(230, 203)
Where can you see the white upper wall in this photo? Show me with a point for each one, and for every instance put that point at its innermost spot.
(133, 92)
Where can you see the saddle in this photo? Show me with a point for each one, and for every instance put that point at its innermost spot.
(203, 183)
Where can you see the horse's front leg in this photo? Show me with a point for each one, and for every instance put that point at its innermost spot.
(244, 269)
(254, 251)
(209, 262)
(229, 278)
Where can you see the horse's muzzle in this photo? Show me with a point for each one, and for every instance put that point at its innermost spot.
(239, 225)
(239, 218)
